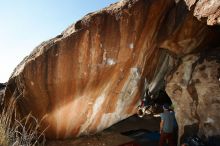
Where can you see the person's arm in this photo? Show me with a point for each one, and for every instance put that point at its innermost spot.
(161, 125)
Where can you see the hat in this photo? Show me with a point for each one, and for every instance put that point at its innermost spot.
(166, 106)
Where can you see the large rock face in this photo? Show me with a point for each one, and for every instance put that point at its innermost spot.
(91, 76)
(195, 91)
(209, 9)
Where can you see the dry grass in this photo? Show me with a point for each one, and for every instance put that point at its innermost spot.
(23, 132)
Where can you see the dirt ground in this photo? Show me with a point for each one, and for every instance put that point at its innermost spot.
(113, 136)
(102, 139)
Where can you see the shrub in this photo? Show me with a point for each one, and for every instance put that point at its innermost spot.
(19, 132)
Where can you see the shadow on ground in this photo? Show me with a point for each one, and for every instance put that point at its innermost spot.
(133, 131)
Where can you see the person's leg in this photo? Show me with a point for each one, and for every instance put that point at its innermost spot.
(170, 139)
(162, 139)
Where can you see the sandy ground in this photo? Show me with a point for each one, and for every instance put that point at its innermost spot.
(112, 136)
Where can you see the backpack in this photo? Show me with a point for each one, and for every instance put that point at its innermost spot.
(194, 141)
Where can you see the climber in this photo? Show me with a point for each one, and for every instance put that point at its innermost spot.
(142, 107)
(147, 101)
(167, 126)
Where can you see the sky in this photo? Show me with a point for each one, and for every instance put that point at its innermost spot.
(24, 24)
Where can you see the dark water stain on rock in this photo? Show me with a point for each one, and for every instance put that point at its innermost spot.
(193, 92)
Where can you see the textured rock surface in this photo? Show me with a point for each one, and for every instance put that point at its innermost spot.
(91, 76)
(209, 9)
(195, 91)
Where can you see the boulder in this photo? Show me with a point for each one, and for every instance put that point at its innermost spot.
(209, 9)
(91, 76)
(194, 90)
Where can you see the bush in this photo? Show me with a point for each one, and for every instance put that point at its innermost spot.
(19, 132)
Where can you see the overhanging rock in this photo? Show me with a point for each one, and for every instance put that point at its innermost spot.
(91, 76)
